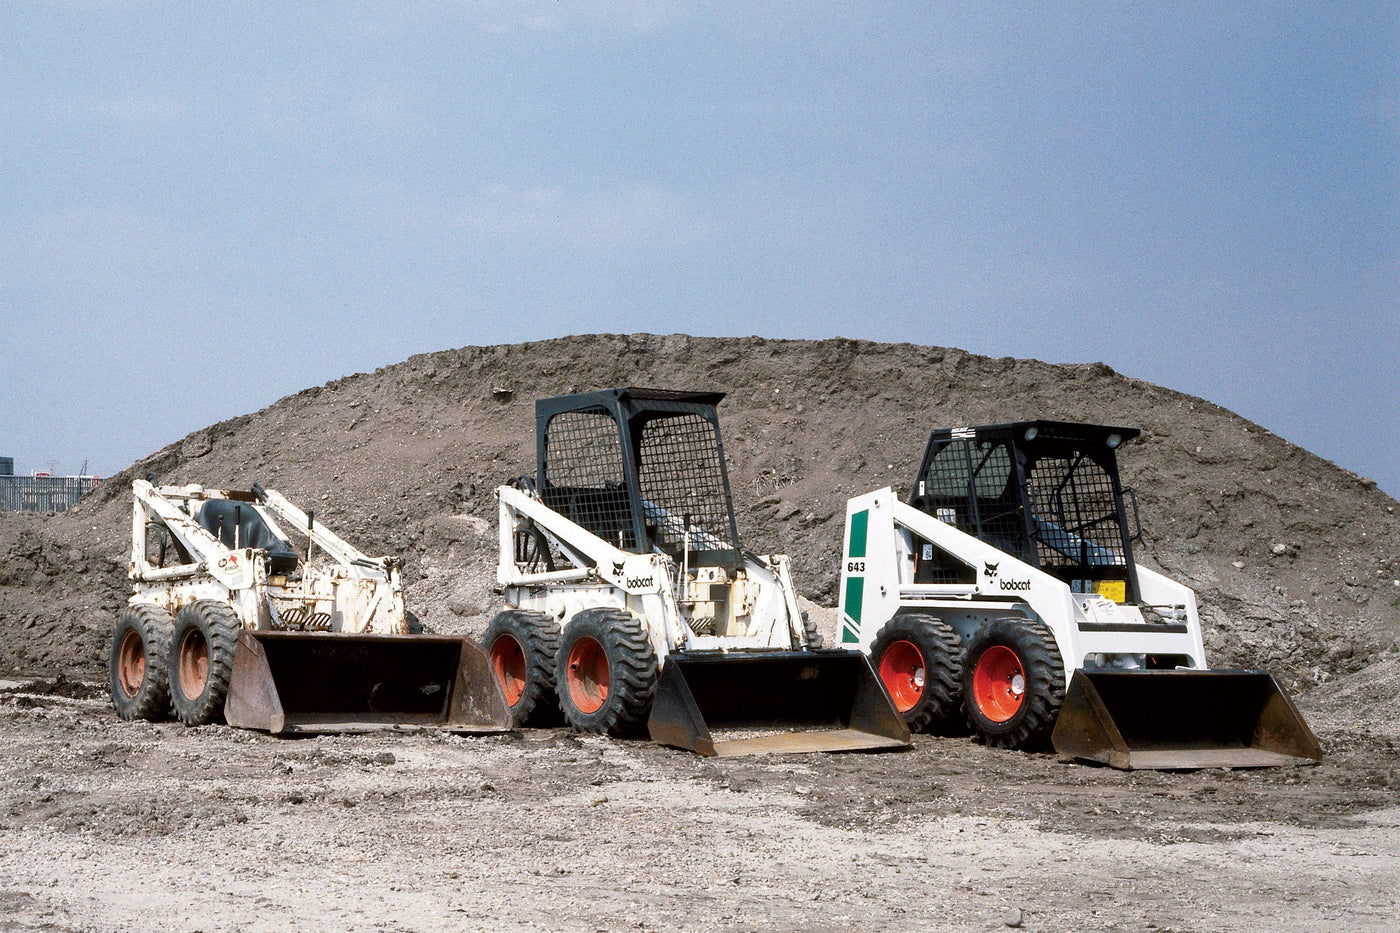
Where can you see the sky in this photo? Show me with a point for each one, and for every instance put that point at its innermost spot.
(206, 207)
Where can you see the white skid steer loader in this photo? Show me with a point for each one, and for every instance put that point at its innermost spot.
(632, 600)
(228, 622)
(1004, 595)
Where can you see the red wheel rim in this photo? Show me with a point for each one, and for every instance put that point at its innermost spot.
(131, 664)
(193, 663)
(588, 675)
(902, 670)
(999, 683)
(508, 660)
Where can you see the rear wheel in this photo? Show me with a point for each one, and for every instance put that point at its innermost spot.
(522, 645)
(918, 659)
(201, 661)
(1013, 683)
(606, 672)
(138, 663)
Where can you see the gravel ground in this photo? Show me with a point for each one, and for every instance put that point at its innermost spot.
(112, 826)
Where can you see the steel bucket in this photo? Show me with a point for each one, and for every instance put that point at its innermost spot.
(754, 702)
(1182, 719)
(302, 682)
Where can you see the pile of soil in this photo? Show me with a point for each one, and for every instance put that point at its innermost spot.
(1296, 562)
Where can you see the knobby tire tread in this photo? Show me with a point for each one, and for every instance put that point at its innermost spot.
(220, 627)
(152, 699)
(939, 709)
(1030, 728)
(538, 637)
(633, 671)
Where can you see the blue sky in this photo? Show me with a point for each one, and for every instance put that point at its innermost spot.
(1206, 196)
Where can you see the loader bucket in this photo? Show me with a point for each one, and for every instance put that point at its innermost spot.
(303, 682)
(1167, 720)
(747, 703)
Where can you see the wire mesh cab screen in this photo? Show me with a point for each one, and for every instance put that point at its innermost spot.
(1076, 514)
(1045, 492)
(972, 485)
(586, 480)
(641, 469)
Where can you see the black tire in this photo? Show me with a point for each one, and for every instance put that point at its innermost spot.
(522, 645)
(201, 661)
(138, 670)
(923, 672)
(810, 633)
(412, 624)
(605, 672)
(998, 715)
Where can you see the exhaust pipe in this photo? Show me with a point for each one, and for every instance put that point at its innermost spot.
(308, 682)
(1166, 720)
(750, 703)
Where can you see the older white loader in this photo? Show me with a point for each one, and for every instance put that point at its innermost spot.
(1004, 594)
(633, 601)
(228, 621)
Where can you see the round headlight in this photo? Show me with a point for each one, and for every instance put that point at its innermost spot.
(1031, 432)
(1114, 440)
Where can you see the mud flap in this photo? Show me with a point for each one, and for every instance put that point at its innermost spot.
(747, 703)
(1167, 720)
(301, 682)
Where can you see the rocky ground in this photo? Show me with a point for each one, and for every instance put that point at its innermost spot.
(113, 826)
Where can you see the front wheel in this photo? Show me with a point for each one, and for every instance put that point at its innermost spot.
(1013, 683)
(201, 661)
(605, 672)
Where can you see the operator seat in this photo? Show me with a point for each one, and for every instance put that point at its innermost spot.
(220, 517)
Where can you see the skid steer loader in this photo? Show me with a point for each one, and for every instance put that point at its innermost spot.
(632, 600)
(1003, 595)
(228, 622)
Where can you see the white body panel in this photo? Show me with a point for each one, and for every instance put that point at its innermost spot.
(757, 612)
(1090, 630)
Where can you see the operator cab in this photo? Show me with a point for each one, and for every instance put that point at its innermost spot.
(643, 469)
(1045, 492)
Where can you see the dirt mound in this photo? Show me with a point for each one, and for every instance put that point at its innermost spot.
(1294, 559)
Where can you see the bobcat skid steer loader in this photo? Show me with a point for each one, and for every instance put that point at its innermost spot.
(228, 622)
(633, 601)
(1004, 595)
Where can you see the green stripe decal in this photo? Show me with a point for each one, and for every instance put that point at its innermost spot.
(860, 522)
(855, 593)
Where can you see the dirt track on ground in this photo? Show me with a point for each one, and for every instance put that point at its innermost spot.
(117, 826)
(114, 826)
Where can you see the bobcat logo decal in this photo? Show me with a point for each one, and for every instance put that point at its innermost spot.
(991, 568)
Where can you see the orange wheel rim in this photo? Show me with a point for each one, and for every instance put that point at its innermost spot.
(131, 664)
(999, 683)
(508, 660)
(902, 670)
(588, 675)
(193, 663)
